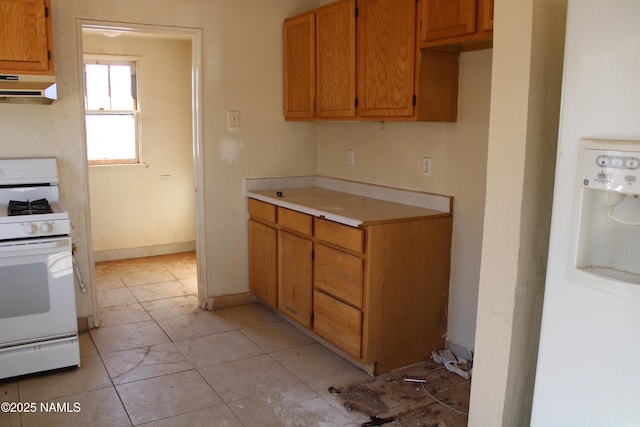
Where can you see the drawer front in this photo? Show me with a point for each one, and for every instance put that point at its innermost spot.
(347, 237)
(339, 274)
(296, 221)
(338, 323)
(262, 210)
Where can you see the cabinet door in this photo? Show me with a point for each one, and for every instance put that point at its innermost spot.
(294, 277)
(336, 60)
(25, 37)
(262, 262)
(386, 57)
(299, 69)
(442, 19)
(487, 14)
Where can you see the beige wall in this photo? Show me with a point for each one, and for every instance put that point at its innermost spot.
(242, 70)
(130, 206)
(392, 154)
(525, 108)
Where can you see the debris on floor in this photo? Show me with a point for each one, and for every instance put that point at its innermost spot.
(424, 394)
(452, 363)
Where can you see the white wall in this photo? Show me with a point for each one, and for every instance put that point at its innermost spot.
(242, 70)
(130, 206)
(392, 154)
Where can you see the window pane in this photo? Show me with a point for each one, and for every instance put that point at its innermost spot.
(121, 98)
(97, 87)
(111, 137)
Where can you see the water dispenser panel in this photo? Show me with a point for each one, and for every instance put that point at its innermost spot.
(611, 170)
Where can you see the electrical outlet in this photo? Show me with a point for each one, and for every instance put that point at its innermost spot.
(351, 157)
(233, 119)
(426, 166)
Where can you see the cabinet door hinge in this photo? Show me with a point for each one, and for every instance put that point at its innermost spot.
(46, 12)
(313, 316)
(48, 55)
(356, 102)
(414, 100)
(313, 254)
(356, 11)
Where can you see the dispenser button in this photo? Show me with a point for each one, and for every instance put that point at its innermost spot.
(633, 163)
(602, 176)
(630, 179)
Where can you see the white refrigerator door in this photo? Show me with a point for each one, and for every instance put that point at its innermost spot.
(587, 373)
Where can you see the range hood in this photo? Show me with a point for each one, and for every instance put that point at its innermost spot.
(27, 89)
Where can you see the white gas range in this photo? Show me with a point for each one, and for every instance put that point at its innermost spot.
(38, 326)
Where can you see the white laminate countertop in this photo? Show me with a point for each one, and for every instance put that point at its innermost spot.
(347, 202)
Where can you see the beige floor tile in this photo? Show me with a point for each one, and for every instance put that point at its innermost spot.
(246, 316)
(155, 291)
(277, 336)
(166, 396)
(147, 362)
(98, 408)
(91, 375)
(107, 277)
(190, 283)
(196, 324)
(161, 308)
(294, 406)
(313, 362)
(218, 348)
(121, 314)
(128, 336)
(87, 347)
(142, 272)
(218, 416)
(9, 393)
(247, 377)
(114, 297)
(180, 265)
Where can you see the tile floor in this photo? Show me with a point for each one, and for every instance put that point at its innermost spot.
(157, 360)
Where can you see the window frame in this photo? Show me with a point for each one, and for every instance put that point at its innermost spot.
(134, 62)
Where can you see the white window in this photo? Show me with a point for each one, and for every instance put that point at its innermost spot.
(111, 110)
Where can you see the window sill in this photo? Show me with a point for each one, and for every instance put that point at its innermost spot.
(120, 166)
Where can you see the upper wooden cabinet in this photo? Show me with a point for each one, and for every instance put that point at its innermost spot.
(336, 60)
(386, 58)
(459, 23)
(299, 67)
(393, 79)
(26, 45)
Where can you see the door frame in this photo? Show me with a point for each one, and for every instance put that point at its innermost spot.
(195, 35)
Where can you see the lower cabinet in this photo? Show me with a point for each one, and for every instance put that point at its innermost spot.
(295, 276)
(263, 264)
(378, 292)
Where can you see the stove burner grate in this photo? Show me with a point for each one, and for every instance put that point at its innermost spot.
(36, 207)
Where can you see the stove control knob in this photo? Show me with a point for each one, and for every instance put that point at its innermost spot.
(46, 227)
(30, 228)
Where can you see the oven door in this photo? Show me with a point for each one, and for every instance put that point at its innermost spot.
(37, 297)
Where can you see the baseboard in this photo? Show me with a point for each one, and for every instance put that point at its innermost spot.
(145, 251)
(223, 301)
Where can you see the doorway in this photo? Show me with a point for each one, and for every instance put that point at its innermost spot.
(160, 194)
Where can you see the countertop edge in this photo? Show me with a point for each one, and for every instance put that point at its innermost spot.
(438, 202)
(304, 209)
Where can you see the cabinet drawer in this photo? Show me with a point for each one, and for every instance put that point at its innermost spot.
(296, 221)
(339, 274)
(337, 322)
(347, 237)
(262, 210)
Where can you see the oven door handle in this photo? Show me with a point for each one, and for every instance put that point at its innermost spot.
(35, 248)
